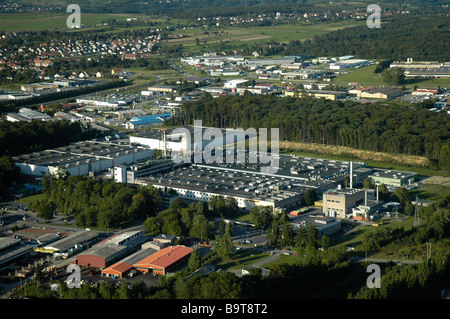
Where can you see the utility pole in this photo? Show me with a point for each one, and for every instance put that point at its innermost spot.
(416, 213)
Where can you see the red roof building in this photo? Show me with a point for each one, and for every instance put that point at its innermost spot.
(164, 260)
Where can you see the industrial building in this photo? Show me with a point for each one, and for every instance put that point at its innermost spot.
(70, 244)
(393, 178)
(111, 250)
(148, 120)
(110, 102)
(81, 158)
(370, 209)
(164, 260)
(324, 225)
(160, 90)
(349, 63)
(126, 265)
(423, 69)
(11, 251)
(380, 93)
(250, 186)
(181, 139)
(339, 202)
(27, 115)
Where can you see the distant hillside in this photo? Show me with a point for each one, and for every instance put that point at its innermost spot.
(419, 38)
(221, 7)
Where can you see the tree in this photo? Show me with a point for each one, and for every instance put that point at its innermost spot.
(311, 238)
(151, 226)
(402, 196)
(287, 234)
(368, 183)
(201, 229)
(309, 197)
(195, 261)
(261, 216)
(45, 210)
(273, 233)
(300, 239)
(62, 173)
(221, 226)
(394, 76)
(383, 192)
(224, 247)
(324, 241)
(9, 174)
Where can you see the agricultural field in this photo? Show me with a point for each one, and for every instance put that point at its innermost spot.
(40, 22)
(195, 40)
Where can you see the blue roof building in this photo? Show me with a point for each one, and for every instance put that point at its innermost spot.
(149, 120)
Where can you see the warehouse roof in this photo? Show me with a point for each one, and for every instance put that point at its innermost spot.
(117, 268)
(392, 174)
(164, 257)
(156, 118)
(82, 152)
(71, 240)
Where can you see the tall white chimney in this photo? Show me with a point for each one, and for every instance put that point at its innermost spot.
(351, 174)
(377, 193)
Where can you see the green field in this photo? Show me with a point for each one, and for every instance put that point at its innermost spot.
(366, 76)
(40, 22)
(199, 40)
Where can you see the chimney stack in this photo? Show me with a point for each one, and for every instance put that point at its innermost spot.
(351, 174)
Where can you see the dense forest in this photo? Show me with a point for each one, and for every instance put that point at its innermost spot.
(401, 38)
(381, 127)
(26, 137)
(92, 203)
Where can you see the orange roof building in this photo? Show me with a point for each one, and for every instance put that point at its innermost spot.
(119, 269)
(164, 260)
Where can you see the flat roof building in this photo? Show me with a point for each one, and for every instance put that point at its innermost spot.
(380, 93)
(11, 250)
(83, 157)
(339, 202)
(324, 225)
(393, 178)
(68, 245)
(148, 120)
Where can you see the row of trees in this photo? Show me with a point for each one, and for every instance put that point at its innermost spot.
(9, 175)
(26, 137)
(396, 128)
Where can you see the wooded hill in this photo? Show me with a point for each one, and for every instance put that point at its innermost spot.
(391, 128)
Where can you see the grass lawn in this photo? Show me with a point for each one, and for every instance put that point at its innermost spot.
(27, 200)
(241, 259)
(430, 192)
(366, 76)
